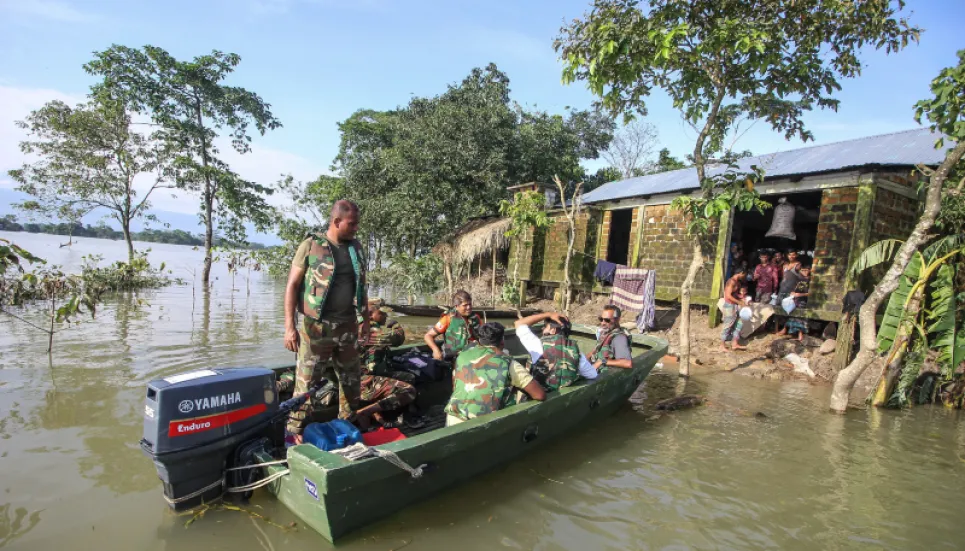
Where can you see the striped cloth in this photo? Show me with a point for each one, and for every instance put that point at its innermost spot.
(634, 290)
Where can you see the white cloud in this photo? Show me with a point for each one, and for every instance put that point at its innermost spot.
(47, 9)
(263, 165)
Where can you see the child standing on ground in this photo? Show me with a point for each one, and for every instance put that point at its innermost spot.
(800, 296)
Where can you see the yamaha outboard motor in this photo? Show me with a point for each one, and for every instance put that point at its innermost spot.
(194, 422)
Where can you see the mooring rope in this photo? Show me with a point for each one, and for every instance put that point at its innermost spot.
(361, 451)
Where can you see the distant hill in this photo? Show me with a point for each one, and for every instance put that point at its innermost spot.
(175, 220)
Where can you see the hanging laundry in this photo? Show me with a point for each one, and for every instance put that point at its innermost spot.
(604, 271)
(634, 289)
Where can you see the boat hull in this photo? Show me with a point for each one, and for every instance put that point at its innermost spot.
(430, 311)
(336, 496)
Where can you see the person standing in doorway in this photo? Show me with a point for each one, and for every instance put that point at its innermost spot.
(766, 277)
(326, 285)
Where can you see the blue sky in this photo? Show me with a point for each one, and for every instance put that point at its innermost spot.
(317, 61)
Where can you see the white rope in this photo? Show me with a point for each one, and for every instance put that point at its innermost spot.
(192, 495)
(361, 451)
(266, 463)
(260, 483)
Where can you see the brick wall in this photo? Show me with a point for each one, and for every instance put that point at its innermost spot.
(544, 254)
(894, 216)
(665, 247)
(835, 228)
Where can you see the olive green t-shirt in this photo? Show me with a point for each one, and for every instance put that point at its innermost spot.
(340, 302)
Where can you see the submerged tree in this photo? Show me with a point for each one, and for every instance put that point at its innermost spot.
(946, 113)
(720, 62)
(90, 159)
(191, 106)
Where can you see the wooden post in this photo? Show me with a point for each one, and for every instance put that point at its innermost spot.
(494, 276)
(720, 260)
(860, 238)
(522, 293)
(637, 238)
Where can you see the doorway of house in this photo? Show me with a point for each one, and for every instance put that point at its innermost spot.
(750, 228)
(618, 249)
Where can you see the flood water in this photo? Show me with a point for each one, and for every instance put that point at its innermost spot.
(73, 477)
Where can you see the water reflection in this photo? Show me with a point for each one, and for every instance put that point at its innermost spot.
(14, 523)
(714, 477)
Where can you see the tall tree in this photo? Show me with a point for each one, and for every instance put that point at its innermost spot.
(946, 113)
(422, 170)
(723, 61)
(191, 106)
(666, 162)
(632, 147)
(89, 160)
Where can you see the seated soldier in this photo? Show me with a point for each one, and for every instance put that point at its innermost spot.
(557, 361)
(612, 342)
(458, 327)
(383, 393)
(485, 377)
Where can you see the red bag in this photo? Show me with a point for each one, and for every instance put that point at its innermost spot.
(382, 436)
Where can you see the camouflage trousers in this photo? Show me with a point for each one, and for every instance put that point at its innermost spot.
(319, 342)
(391, 394)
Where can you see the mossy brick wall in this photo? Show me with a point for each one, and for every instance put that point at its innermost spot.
(666, 248)
(835, 229)
(544, 255)
(894, 215)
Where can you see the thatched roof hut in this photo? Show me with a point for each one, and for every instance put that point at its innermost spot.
(476, 238)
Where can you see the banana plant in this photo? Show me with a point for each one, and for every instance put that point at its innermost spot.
(904, 317)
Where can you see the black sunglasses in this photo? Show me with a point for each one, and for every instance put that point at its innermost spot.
(608, 320)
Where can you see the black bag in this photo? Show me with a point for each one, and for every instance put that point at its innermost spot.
(423, 366)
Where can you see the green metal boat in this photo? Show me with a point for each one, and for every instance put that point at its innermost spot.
(335, 496)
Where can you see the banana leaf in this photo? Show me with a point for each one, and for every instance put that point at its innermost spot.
(895, 310)
(879, 253)
(948, 339)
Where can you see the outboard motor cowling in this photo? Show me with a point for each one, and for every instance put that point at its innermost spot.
(193, 422)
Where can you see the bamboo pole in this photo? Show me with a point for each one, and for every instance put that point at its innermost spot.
(494, 276)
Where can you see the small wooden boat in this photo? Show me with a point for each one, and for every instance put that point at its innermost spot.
(432, 311)
(334, 495)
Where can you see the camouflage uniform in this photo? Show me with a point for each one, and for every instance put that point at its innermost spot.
(480, 382)
(322, 340)
(460, 332)
(391, 394)
(603, 349)
(559, 365)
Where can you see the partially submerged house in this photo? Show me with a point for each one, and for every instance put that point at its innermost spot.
(846, 195)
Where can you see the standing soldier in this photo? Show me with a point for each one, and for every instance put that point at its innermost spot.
(326, 285)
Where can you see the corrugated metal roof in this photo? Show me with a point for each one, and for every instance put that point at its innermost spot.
(906, 148)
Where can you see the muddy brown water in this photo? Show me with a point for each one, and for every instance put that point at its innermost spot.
(72, 475)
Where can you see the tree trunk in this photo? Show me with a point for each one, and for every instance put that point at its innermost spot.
(447, 270)
(494, 276)
(566, 288)
(891, 371)
(208, 238)
(126, 229)
(866, 317)
(683, 331)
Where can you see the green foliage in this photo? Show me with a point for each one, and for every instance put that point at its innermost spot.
(914, 361)
(944, 323)
(421, 170)
(665, 163)
(602, 176)
(875, 255)
(719, 194)
(415, 276)
(946, 110)
(776, 60)
(88, 160)
(525, 211)
(189, 103)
